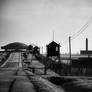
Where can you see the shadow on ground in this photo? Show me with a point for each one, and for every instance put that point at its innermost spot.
(68, 85)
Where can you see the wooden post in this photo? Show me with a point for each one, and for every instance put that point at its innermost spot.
(70, 51)
(33, 70)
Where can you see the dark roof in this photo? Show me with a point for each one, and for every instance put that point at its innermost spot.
(15, 45)
(53, 43)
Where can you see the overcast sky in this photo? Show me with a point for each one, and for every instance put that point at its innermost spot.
(33, 21)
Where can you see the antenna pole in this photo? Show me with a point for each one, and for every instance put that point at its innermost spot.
(53, 35)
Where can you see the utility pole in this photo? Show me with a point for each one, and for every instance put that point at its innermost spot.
(70, 51)
(70, 48)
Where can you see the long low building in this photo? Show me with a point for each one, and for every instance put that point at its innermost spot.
(16, 46)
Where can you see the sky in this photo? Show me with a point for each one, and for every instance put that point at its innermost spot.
(34, 21)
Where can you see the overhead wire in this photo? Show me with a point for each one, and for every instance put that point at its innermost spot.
(82, 29)
(66, 40)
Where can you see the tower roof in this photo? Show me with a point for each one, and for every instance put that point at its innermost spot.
(53, 43)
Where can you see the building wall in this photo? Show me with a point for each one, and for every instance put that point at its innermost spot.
(84, 52)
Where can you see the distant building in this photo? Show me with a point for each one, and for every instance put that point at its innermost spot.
(83, 52)
(86, 52)
(16, 46)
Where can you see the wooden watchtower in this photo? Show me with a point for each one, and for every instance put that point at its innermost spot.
(53, 50)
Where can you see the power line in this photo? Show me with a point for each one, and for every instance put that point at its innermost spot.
(82, 29)
(66, 40)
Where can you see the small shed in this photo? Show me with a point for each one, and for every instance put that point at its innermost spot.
(36, 50)
(30, 47)
(53, 49)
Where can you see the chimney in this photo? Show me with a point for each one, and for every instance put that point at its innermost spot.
(86, 44)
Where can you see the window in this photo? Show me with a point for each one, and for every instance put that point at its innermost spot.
(56, 48)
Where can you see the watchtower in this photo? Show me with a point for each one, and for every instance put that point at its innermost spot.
(53, 50)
